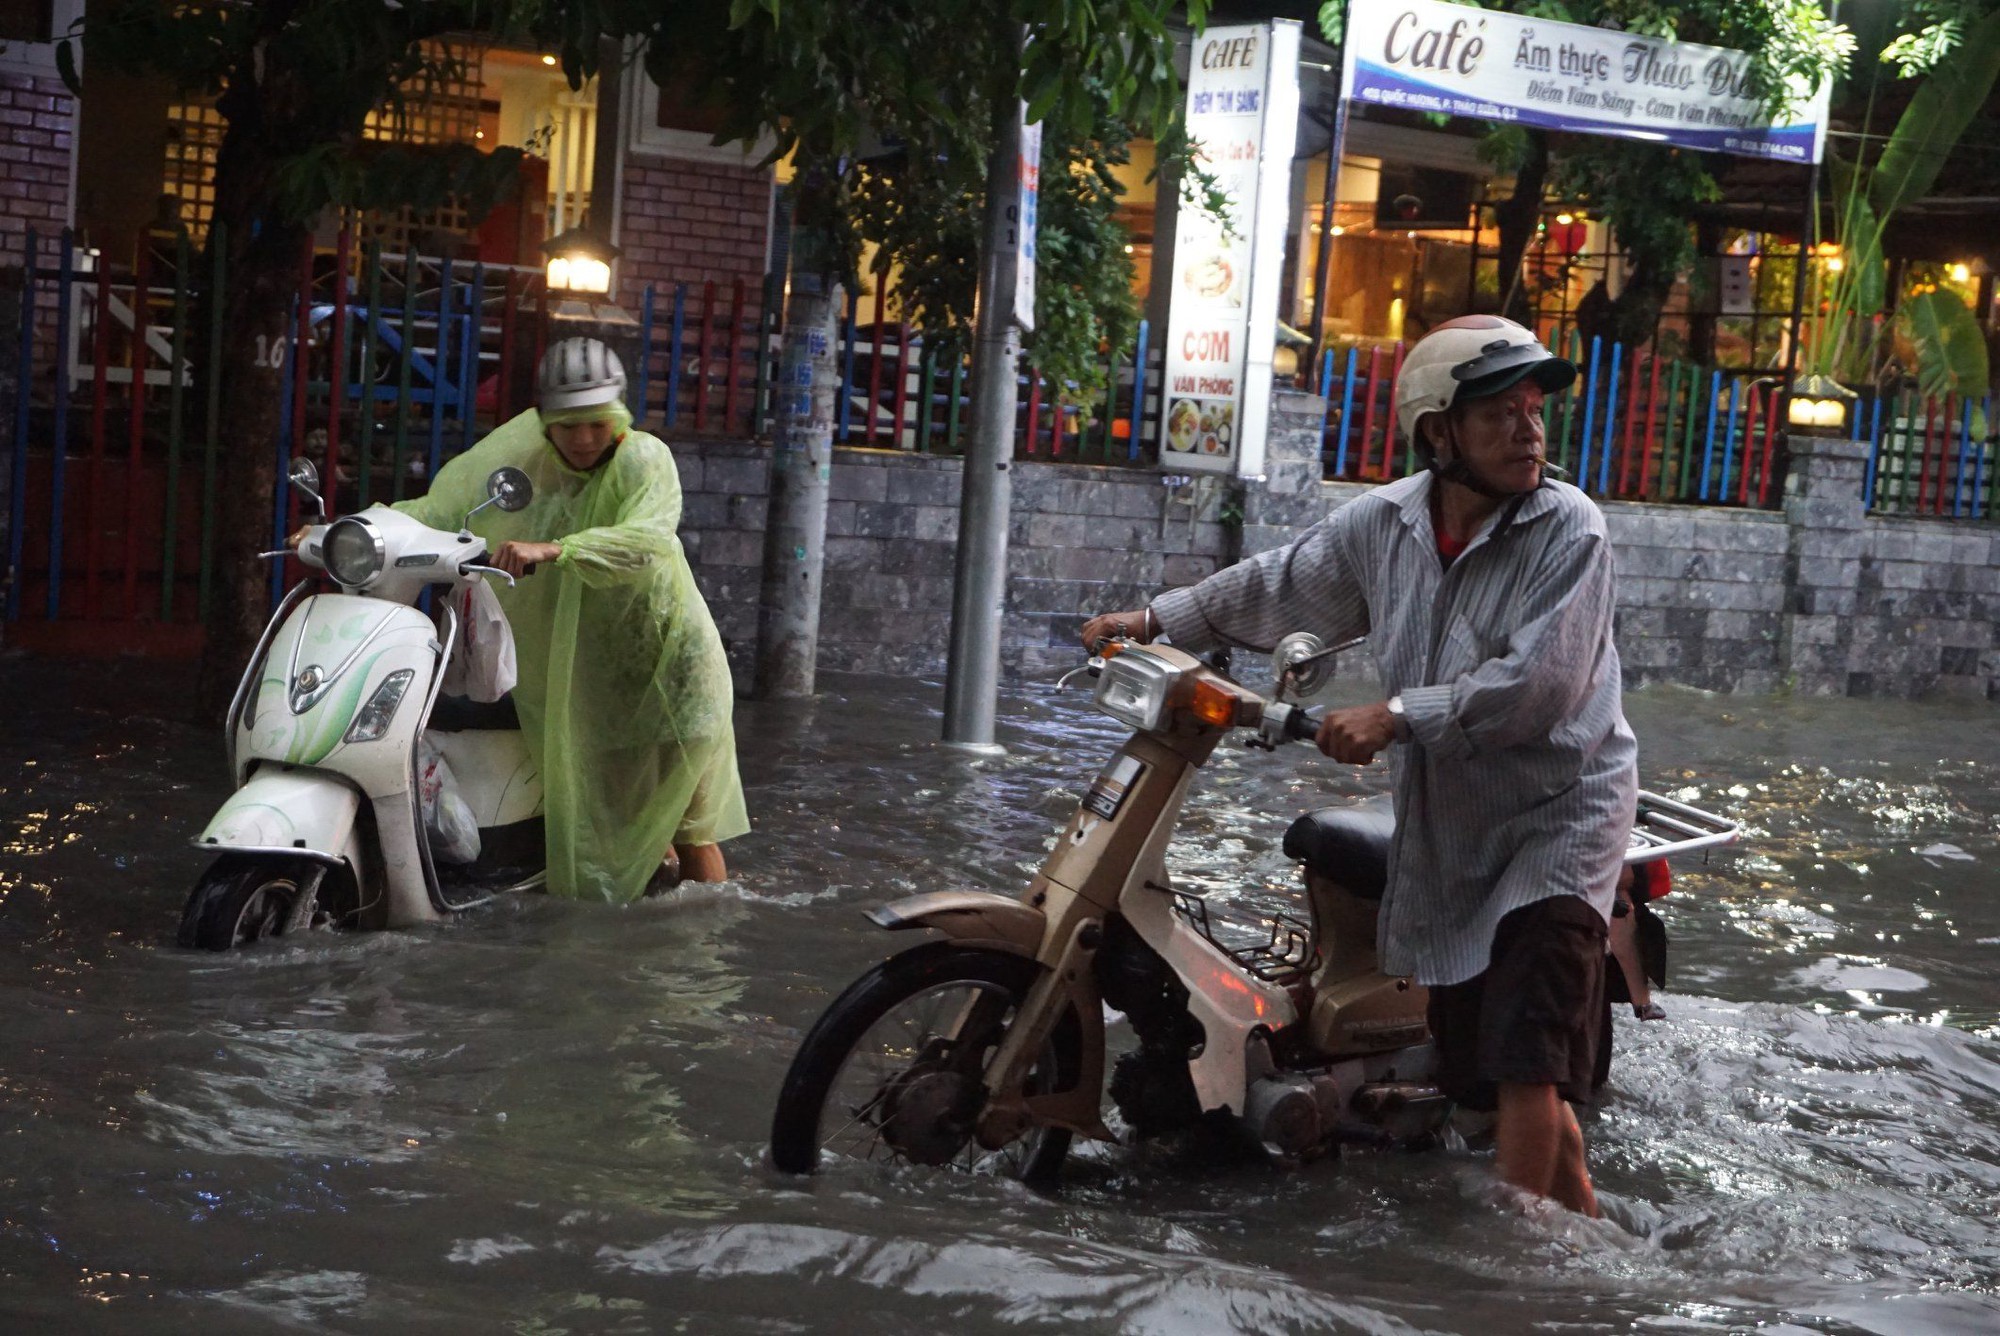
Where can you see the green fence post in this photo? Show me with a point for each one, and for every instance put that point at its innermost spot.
(175, 399)
(364, 438)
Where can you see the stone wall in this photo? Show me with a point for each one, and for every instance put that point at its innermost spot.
(1819, 598)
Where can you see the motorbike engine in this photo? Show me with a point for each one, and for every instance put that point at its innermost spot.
(1150, 1085)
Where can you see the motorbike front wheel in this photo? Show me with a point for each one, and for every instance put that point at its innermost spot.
(243, 900)
(894, 1071)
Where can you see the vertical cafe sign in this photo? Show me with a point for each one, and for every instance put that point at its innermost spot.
(1242, 115)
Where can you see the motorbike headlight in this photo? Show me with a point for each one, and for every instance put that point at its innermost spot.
(1133, 688)
(373, 720)
(352, 551)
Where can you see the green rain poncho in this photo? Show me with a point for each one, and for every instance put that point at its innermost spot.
(624, 691)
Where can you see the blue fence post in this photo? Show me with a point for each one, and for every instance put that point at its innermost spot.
(1610, 420)
(468, 356)
(24, 380)
(641, 378)
(1964, 445)
(59, 461)
(1728, 442)
(1138, 391)
(1346, 411)
(674, 354)
(1708, 443)
(1874, 450)
(440, 359)
(1589, 412)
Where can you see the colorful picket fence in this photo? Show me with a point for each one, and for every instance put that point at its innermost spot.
(1928, 456)
(1635, 427)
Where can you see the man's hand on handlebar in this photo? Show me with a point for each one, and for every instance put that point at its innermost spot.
(1356, 734)
(1139, 625)
(516, 557)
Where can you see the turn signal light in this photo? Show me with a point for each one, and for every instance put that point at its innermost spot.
(1213, 704)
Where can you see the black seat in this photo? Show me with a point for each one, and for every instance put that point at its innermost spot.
(462, 714)
(1348, 844)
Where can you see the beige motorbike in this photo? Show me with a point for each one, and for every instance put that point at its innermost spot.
(986, 1049)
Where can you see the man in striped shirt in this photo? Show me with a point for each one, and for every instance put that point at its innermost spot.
(1486, 591)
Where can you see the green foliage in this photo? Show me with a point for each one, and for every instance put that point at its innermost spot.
(1950, 346)
(1936, 118)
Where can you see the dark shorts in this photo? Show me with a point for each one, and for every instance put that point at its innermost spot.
(1535, 1016)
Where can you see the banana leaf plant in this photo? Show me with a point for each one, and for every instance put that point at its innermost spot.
(1853, 340)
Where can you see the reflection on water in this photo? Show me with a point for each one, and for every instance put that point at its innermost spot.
(549, 1118)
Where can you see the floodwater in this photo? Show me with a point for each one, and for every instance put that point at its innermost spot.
(546, 1117)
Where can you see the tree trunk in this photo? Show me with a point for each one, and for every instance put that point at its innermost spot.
(801, 464)
(261, 275)
(1517, 215)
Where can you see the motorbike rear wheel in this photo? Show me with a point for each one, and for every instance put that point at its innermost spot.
(243, 900)
(882, 1078)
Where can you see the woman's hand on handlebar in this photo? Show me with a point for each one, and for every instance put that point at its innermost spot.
(517, 558)
(1356, 734)
(1139, 625)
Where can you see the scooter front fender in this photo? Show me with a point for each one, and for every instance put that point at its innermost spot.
(973, 918)
(286, 809)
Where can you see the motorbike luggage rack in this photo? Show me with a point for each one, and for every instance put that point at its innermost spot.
(1286, 955)
(1666, 828)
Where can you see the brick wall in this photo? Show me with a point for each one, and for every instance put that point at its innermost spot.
(688, 221)
(37, 127)
(1819, 598)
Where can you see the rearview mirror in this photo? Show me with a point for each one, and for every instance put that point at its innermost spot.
(1303, 665)
(305, 478)
(509, 489)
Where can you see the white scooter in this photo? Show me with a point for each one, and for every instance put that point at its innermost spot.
(326, 827)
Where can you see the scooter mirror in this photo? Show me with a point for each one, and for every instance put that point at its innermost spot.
(1302, 666)
(305, 478)
(509, 489)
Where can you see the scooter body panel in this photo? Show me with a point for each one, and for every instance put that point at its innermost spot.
(284, 810)
(496, 776)
(333, 655)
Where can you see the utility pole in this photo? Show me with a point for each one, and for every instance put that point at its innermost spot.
(801, 462)
(979, 581)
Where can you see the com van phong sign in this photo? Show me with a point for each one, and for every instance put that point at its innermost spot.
(1427, 56)
(1222, 316)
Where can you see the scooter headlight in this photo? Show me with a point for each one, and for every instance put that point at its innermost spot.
(373, 720)
(1133, 688)
(353, 551)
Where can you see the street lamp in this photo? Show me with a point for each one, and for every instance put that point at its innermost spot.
(579, 264)
(1818, 406)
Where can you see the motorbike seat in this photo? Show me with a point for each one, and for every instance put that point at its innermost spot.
(462, 714)
(1348, 844)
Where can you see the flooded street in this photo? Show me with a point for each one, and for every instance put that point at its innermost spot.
(546, 1117)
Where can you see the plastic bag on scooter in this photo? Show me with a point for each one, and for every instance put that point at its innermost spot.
(448, 820)
(483, 666)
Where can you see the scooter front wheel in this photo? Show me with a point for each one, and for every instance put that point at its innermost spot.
(243, 900)
(894, 1071)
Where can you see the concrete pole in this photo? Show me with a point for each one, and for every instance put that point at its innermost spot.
(979, 582)
(801, 476)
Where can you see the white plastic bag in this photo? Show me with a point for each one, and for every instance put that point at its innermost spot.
(482, 667)
(448, 818)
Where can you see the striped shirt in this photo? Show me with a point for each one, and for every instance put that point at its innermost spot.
(1521, 780)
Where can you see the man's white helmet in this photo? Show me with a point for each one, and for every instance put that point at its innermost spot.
(578, 373)
(1471, 357)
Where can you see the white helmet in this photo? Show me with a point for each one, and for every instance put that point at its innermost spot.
(1471, 357)
(578, 373)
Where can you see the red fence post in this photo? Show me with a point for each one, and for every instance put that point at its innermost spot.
(1389, 425)
(1034, 409)
(902, 394)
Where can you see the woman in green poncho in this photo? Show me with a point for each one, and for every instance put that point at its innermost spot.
(624, 691)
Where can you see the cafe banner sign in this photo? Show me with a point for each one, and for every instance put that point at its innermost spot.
(1424, 55)
(1222, 317)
